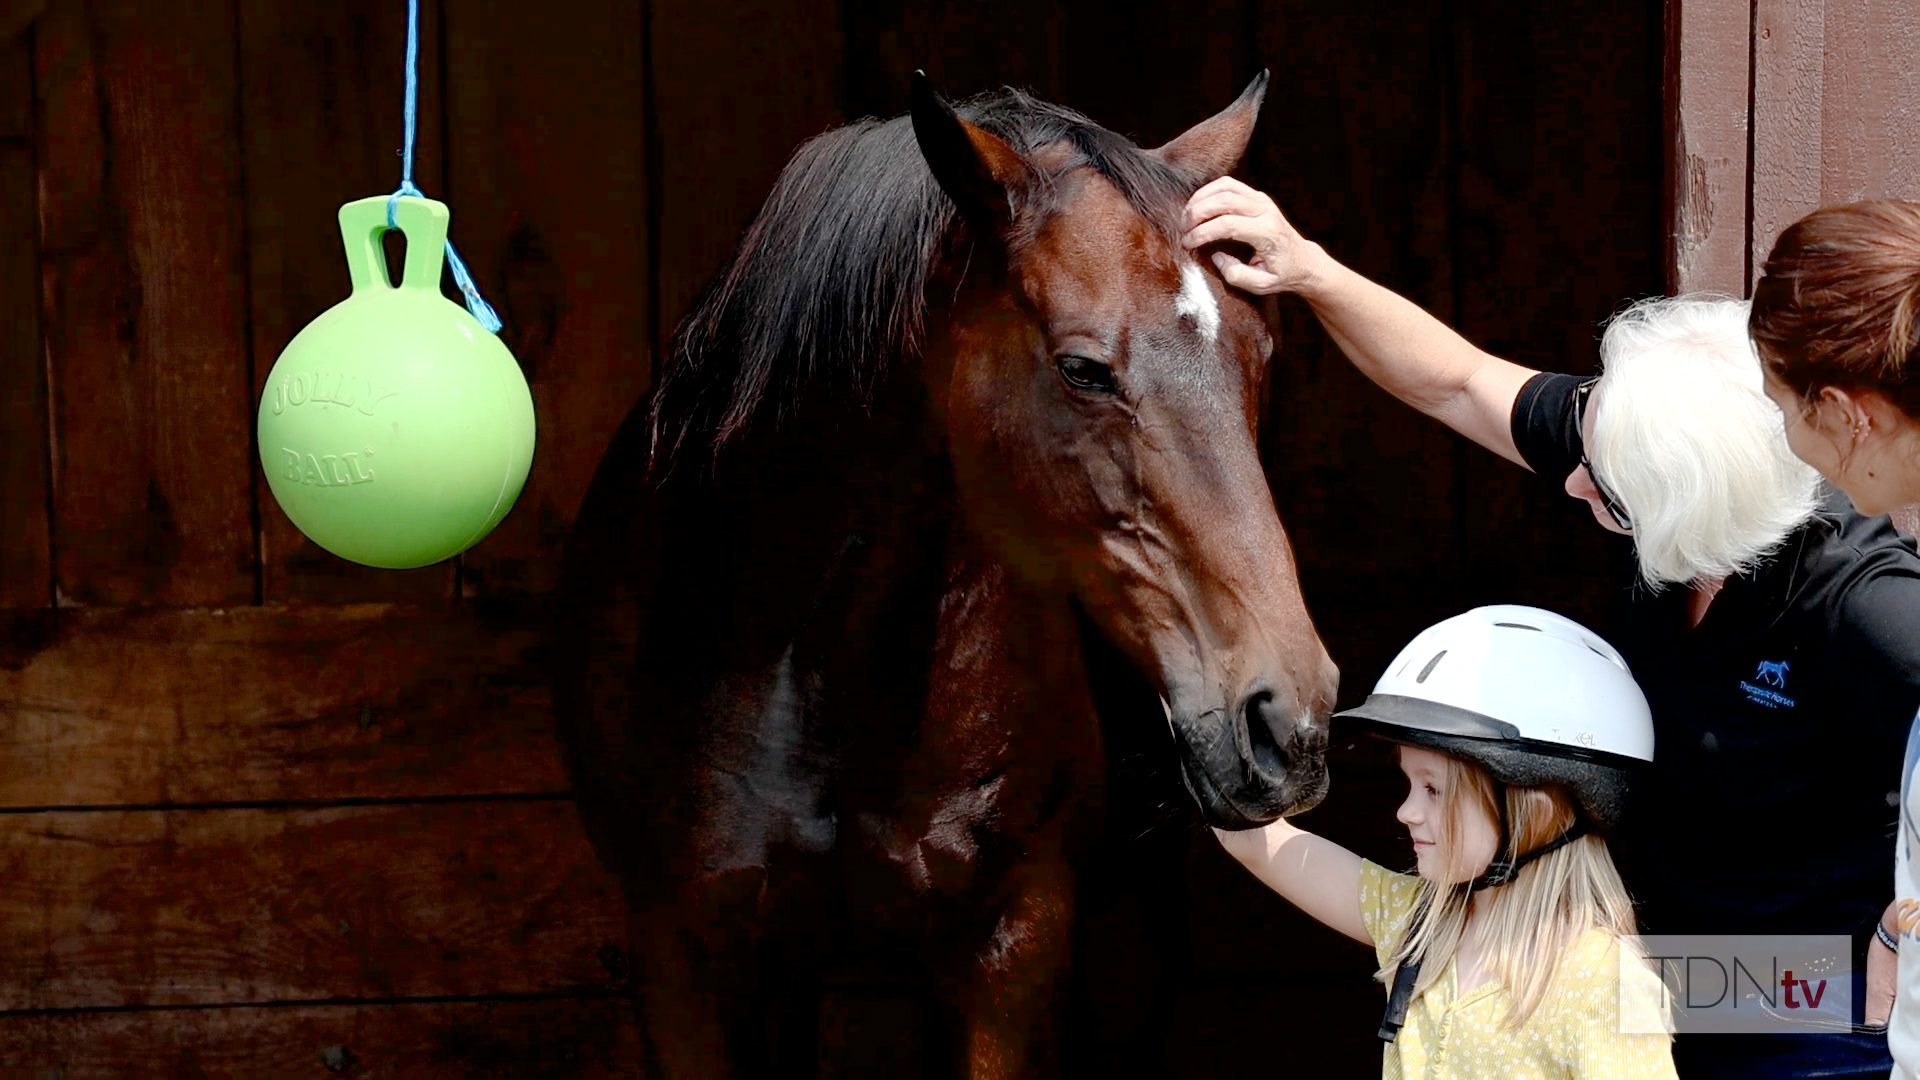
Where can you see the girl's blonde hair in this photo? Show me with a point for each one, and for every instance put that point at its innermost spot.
(1528, 924)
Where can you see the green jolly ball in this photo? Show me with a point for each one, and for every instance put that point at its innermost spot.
(395, 430)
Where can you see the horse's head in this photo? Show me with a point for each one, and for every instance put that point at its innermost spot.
(1101, 390)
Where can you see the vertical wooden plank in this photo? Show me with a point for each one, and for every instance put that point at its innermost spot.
(320, 105)
(1360, 166)
(26, 571)
(1836, 109)
(17, 15)
(16, 77)
(1559, 144)
(144, 303)
(1151, 71)
(1707, 53)
(722, 141)
(1870, 129)
(546, 176)
(1789, 87)
(966, 49)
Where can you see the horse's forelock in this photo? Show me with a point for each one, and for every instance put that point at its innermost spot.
(1155, 189)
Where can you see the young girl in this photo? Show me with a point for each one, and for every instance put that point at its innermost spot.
(1518, 732)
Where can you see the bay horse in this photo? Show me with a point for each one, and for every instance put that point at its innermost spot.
(949, 477)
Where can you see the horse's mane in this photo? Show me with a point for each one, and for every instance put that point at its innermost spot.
(826, 288)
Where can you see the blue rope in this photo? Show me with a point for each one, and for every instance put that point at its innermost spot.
(481, 310)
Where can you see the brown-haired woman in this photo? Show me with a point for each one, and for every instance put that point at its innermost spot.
(1836, 320)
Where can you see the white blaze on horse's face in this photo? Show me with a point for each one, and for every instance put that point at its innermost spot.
(1196, 301)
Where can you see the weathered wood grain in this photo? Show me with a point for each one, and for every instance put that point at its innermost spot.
(1836, 109)
(321, 113)
(26, 571)
(119, 908)
(145, 303)
(151, 707)
(1789, 117)
(1870, 143)
(542, 1038)
(546, 178)
(1706, 123)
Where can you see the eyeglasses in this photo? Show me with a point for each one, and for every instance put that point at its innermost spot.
(1615, 509)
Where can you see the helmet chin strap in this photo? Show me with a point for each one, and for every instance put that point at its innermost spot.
(1499, 872)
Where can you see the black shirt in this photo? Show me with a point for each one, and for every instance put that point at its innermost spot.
(1779, 721)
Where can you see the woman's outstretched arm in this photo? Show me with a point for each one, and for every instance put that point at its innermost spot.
(1409, 353)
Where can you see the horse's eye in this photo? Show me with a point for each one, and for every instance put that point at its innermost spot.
(1091, 375)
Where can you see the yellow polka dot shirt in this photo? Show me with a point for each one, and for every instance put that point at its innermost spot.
(1574, 1033)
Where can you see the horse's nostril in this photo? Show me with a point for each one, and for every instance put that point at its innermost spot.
(1264, 733)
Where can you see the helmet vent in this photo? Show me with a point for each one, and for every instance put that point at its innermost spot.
(1520, 626)
(1431, 664)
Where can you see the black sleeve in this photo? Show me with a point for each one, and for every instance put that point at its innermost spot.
(1545, 428)
(1875, 635)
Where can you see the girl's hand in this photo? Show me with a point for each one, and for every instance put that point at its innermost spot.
(1227, 209)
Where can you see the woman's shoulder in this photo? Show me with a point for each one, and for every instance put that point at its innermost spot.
(1844, 543)
(1868, 581)
(1846, 576)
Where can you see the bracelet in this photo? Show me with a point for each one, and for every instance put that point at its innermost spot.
(1886, 938)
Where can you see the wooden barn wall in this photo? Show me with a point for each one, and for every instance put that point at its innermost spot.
(1777, 108)
(263, 812)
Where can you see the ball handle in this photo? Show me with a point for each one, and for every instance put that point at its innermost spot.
(424, 223)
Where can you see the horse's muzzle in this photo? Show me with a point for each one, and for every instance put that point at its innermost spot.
(1250, 766)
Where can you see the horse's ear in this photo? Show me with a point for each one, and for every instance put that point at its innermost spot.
(1211, 148)
(976, 168)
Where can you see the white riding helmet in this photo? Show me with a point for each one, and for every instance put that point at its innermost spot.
(1532, 696)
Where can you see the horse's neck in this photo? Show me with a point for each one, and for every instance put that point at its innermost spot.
(824, 550)
(1000, 751)
(912, 642)
(1007, 687)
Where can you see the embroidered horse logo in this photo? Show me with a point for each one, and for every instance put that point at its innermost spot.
(1772, 672)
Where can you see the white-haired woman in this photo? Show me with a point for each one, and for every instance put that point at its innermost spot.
(1782, 704)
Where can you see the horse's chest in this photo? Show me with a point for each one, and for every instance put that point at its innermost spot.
(961, 841)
